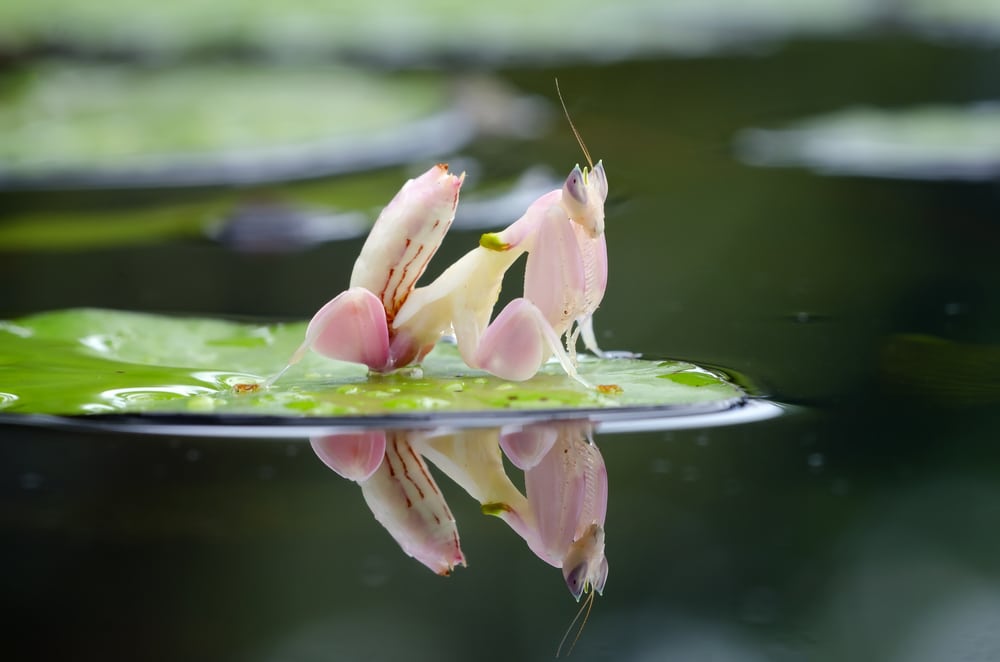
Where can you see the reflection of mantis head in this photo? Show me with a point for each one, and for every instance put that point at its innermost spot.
(585, 567)
(583, 197)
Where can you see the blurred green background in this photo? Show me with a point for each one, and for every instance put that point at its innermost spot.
(216, 159)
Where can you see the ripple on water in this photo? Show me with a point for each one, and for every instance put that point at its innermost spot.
(224, 379)
(138, 396)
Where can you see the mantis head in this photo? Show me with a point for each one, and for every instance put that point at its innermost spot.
(585, 567)
(583, 197)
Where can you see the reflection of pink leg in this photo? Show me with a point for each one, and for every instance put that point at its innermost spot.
(525, 447)
(518, 341)
(351, 327)
(405, 499)
(354, 456)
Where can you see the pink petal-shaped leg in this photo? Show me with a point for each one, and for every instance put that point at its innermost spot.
(518, 341)
(351, 327)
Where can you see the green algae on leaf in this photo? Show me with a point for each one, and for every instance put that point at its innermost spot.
(695, 379)
(90, 361)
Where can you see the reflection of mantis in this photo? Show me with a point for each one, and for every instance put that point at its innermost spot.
(382, 322)
(566, 484)
(561, 514)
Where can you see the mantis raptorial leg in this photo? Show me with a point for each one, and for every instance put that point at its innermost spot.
(356, 325)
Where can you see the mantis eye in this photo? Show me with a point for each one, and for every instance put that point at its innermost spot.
(575, 186)
(581, 202)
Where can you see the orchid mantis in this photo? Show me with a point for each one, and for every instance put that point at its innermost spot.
(383, 323)
(386, 324)
(565, 278)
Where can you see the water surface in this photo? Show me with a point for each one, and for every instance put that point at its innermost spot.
(861, 527)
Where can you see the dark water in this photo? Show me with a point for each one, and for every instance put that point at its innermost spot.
(862, 526)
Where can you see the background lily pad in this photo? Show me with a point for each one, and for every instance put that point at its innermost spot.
(86, 125)
(264, 219)
(923, 142)
(93, 361)
(977, 19)
(397, 30)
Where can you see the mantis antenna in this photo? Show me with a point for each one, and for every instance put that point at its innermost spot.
(573, 126)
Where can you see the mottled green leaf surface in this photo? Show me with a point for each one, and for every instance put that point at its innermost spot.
(100, 361)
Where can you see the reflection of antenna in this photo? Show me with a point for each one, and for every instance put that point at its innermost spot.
(588, 604)
(573, 126)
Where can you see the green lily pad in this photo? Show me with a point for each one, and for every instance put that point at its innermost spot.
(91, 361)
(927, 142)
(288, 217)
(86, 125)
(965, 19)
(396, 30)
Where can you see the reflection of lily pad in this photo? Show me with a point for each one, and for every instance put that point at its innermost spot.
(105, 125)
(107, 362)
(932, 142)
